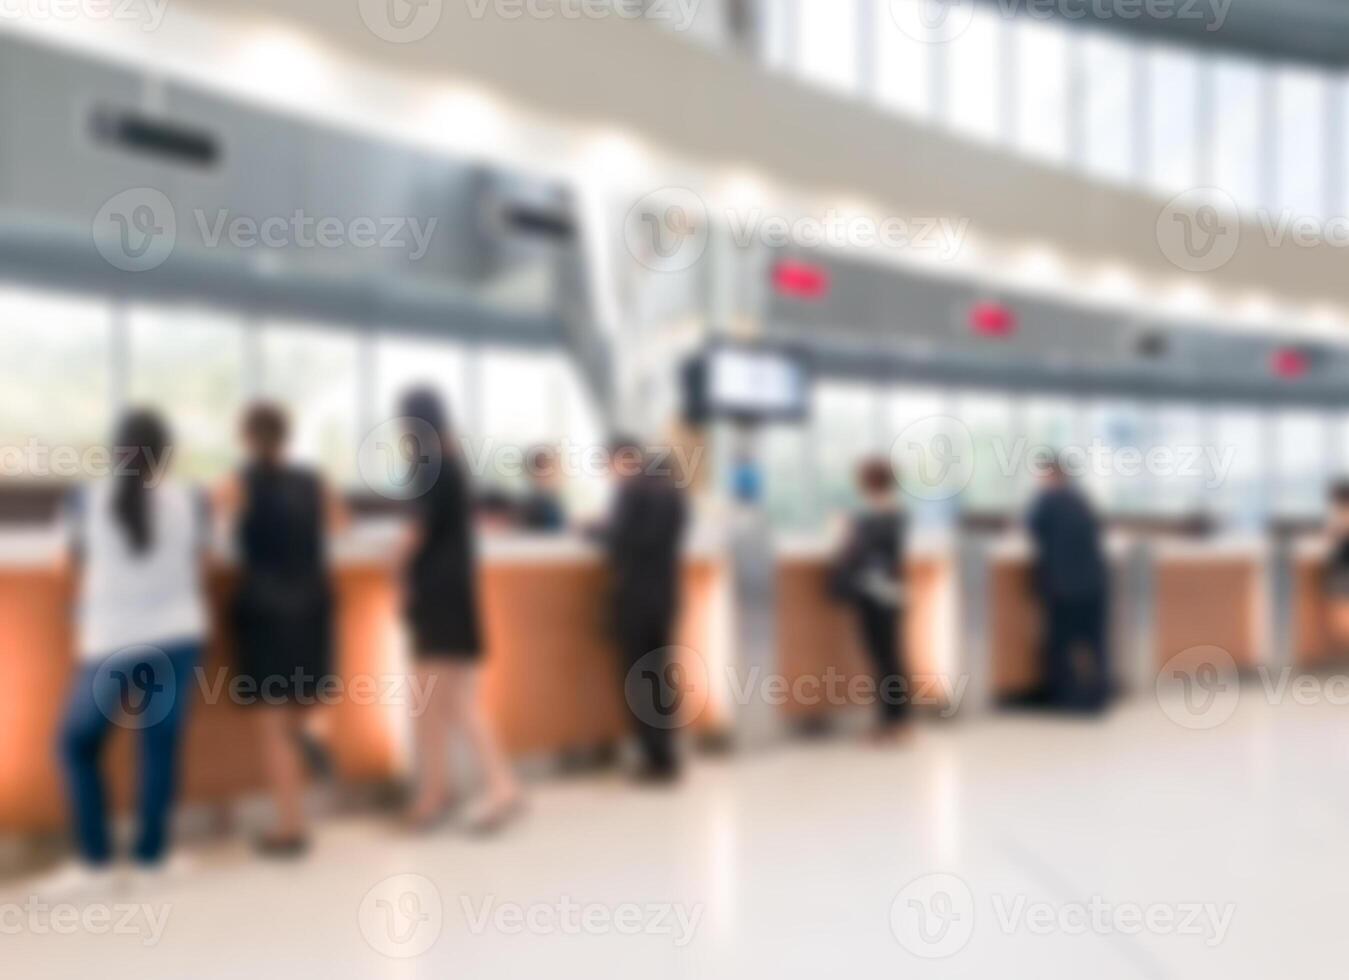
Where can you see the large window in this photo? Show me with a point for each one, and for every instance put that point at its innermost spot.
(1237, 468)
(1173, 107)
(903, 64)
(1301, 443)
(1116, 456)
(1299, 137)
(778, 32)
(989, 419)
(55, 378)
(973, 89)
(907, 410)
(845, 429)
(190, 364)
(1109, 106)
(827, 42)
(404, 363)
(1042, 90)
(315, 372)
(1177, 436)
(1239, 133)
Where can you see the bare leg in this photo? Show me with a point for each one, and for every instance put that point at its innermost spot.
(502, 789)
(285, 770)
(432, 727)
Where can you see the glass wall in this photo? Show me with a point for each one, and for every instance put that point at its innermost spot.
(903, 65)
(973, 73)
(1041, 86)
(1161, 116)
(190, 364)
(56, 377)
(827, 42)
(315, 373)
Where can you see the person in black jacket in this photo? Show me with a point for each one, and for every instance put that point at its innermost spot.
(643, 537)
(441, 605)
(1071, 580)
(869, 574)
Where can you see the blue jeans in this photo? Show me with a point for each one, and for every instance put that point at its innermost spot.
(146, 689)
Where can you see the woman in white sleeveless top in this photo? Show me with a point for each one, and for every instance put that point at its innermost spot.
(138, 541)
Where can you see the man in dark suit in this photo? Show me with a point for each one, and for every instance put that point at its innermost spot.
(643, 536)
(1072, 580)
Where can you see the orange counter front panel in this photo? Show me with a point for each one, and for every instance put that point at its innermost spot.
(552, 681)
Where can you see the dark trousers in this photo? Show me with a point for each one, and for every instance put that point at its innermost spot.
(880, 635)
(650, 689)
(147, 692)
(1077, 672)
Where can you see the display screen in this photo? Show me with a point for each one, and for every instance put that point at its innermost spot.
(748, 383)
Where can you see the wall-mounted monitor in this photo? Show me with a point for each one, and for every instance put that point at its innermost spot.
(746, 383)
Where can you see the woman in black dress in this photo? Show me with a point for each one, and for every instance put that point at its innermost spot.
(441, 580)
(1336, 580)
(283, 611)
(869, 575)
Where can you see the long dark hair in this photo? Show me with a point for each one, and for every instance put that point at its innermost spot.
(139, 448)
(425, 409)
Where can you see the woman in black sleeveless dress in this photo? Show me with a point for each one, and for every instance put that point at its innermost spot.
(283, 609)
(441, 582)
(1335, 582)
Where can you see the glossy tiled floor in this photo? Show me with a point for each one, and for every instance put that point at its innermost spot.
(1010, 846)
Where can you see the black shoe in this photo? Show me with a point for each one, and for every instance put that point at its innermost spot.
(657, 775)
(282, 848)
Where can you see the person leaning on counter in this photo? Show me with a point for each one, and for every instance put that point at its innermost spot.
(441, 605)
(541, 511)
(139, 543)
(868, 575)
(281, 516)
(642, 540)
(1071, 578)
(1336, 579)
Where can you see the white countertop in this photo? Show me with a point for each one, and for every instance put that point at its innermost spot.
(367, 542)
